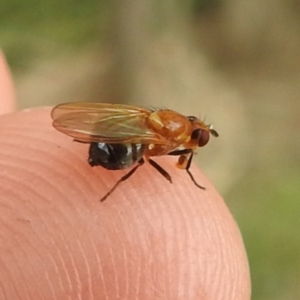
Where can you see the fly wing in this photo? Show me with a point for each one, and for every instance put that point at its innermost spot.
(102, 122)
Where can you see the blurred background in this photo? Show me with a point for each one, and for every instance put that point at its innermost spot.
(235, 63)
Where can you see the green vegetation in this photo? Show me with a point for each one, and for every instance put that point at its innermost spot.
(30, 29)
(266, 207)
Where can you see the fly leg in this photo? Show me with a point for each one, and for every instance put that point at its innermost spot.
(185, 161)
(125, 177)
(160, 170)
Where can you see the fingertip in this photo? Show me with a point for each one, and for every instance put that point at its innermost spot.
(148, 233)
(7, 94)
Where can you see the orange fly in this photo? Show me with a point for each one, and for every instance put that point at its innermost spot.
(121, 136)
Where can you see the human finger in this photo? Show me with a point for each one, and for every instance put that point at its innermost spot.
(148, 240)
(7, 95)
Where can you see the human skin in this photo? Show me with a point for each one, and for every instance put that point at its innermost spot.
(149, 240)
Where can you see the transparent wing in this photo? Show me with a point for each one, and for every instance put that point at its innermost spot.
(102, 122)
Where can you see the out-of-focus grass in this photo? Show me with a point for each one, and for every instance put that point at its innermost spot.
(31, 29)
(266, 207)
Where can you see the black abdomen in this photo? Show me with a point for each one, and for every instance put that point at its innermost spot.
(115, 156)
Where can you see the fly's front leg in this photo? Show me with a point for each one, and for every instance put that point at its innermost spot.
(185, 161)
(183, 154)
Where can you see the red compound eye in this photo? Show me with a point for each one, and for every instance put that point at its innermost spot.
(203, 138)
